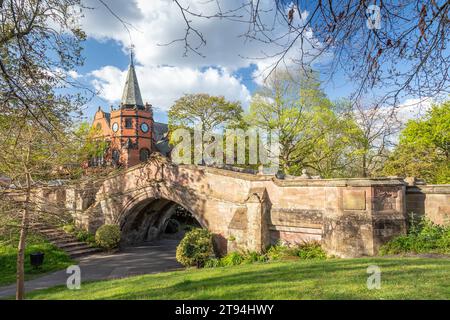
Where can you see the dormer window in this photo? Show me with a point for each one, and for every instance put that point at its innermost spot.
(128, 123)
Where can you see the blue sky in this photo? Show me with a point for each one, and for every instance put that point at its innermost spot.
(108, 52)
(164, 74)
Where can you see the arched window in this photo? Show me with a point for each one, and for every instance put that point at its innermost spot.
(144, 154)
(115, 156)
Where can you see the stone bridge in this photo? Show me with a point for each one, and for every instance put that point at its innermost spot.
(351, 217)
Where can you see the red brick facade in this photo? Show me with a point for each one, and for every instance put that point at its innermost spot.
(129, 133)
(129, 129)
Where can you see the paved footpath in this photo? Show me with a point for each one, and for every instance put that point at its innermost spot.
(148, 258)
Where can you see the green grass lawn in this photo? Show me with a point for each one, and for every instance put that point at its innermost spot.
(401, 278)
(54, 258)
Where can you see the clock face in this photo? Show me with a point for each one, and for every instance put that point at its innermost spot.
(144, 127)
(115, 127)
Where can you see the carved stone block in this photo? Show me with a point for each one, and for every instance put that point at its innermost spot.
(354, 199)
(385, 199)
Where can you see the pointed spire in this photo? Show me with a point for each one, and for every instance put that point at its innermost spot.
(131, 96)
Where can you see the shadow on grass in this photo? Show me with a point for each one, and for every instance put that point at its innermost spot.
(331, 279)
(54, 259)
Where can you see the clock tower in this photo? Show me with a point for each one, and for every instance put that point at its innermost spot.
(129, 128)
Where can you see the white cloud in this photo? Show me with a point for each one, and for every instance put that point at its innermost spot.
(158, 22)
(413, 108)
(74, 75)
(161, 86)
(165, 73)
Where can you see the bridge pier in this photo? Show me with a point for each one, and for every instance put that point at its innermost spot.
(258, 210)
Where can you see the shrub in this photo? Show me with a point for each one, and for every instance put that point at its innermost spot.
(232, 259)
(80, 234)
(69, 228)
(275, 252)
(306, 250)
(281, 251)
(236, 258)
(212, 263)
(423, 237)
(311, 250)
(253, 256)
(195, 248)
(86, 236)
(108, 236)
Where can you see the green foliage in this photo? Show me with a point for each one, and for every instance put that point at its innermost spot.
(69, 228)
(195, 248)
(90, 142)
(232, 259)
(54, 258)
(311, 250)
(424, 148)
(423, 237)
(212, 263)
(313, 133)
(108, 236)
(81, 234)
(200, 112)
(86, 236)
(279, 251)
(306, 250)
(210, 112)
(253, 256)
(236, 258)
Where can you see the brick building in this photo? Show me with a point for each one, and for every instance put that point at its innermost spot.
(130, 130)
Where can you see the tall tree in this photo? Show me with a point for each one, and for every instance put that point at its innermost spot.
(206, 113)
(312, 133)
(335, 148)
(40, 42)
(209, 112)
(424, 147)
(277, 106)
(378, 130)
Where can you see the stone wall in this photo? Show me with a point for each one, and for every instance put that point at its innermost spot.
(432, 201)
(351, 217)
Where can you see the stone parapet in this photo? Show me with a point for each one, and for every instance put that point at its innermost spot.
(245, 211)
(431, 201)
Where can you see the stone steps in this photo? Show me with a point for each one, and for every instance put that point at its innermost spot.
(82, 252)
(65, 241)
(70, 244)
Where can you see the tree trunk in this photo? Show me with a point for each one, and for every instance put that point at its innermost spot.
(20, 286)
(364, 164)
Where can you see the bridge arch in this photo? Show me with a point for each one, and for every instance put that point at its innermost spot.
(145, 213)
(148, 220)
